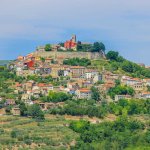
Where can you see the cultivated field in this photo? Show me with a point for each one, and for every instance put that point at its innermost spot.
(17, 133)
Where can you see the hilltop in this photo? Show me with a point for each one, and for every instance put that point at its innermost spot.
(100, 98)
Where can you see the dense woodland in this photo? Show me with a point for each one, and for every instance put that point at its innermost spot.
(124, 133)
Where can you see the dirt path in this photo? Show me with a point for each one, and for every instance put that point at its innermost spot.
(93, 120)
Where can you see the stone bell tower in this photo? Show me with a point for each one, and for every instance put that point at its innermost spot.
(73, 38)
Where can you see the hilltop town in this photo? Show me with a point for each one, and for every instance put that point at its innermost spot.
(74, 78)
(69, 68)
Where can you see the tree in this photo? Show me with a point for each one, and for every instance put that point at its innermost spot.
(77, 62)
(127, 66)
(36, 112)
(117, 82)
(148, 88)
(23, 109)
(95, 94)
(97, 46)
(61, 44)
(79, 46)
(48, 47)
(42, 59)
(112, 55)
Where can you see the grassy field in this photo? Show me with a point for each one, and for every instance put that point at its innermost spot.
(18, 133)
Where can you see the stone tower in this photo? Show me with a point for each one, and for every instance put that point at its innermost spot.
(73, 38)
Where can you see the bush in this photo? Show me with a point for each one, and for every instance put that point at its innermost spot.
(2, 131)
(36, 112)
(77, 62)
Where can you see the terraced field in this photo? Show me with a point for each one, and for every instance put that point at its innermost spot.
(18, 133)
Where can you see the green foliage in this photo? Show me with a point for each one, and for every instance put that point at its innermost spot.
(95, 93)
(112, 55)
(61, 44)
(118, 63)
(93, 109)
(2, 131)
(2, 68)
(48, 47)
(80, 108)
(79, 126)
(130, 107)
(23, 109)
(14, 133)
(40, 79)
(119, 134)
(42, 59)
(2, 103)
(148, 88)
(8, 109)
(77, 62)
(97, 46)
(36, 112)
(120, 90)
(56, 97)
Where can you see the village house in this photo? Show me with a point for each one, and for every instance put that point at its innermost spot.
(10, 102)
(46, 106)
(26, 98)
(20, 58)
(145, 95)
(136, 83)
(18, 86)
(83, 93)
(39, 70)
(45, 88)
(36, 93)
(60, 59)
(64, 71)
(30, 71)
(71, 91)
(129, 81)
(15, 111)
(55, 70)
(138, 87)
(90, 74)
(146, 82)
(48, 61)
(119, 97)
(77, 71)
(27, 86)
(87, 84)
(109, 77)
(106, 86)
(97, 78)
(73, 85)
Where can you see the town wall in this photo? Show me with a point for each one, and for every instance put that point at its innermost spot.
(65, 55)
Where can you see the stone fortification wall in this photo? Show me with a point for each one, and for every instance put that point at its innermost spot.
(65, 55)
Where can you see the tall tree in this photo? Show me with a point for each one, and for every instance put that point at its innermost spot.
(95, 93)
(97, 46)
(48, 47)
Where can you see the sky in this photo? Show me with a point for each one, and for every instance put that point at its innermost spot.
(122, 25)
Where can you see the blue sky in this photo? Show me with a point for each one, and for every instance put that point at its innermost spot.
(121, 25)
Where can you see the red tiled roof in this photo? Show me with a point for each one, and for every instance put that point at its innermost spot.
(84, 90)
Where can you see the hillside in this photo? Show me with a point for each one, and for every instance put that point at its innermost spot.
(121, 66)
(26, 133)
(74, 103)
